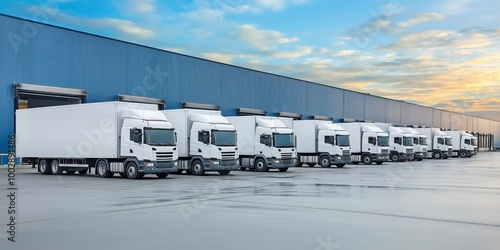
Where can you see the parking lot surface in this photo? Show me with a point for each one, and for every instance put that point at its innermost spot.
(434, 204)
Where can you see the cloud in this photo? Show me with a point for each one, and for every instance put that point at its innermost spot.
(440, 39)
(204, 15)
(301, 51)
(422, 18)
(219, 57)
(345, 52)
(125, 26)
(278, 4)
(262, 39)
(141, 6)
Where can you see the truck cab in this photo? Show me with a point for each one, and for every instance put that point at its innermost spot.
(419, 144)
(150, 139)
(442, 145)
(400, 144)
(335, 140)
(376, 143)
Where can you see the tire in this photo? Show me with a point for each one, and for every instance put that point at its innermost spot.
(367, 159)
(437, 155)
(260, 165)
(311, 165)
(340, 165)
(463, 154)
(102, 169)
(224, 172)
(379, 162)
(243, 168)
(283, 169)
(43, 165)
(132, 171)
(197, 168)
(411, 157)
(324, 161)
(70, 172)
(162, 175)
(395, 157)
(54, 167)
(82, 172)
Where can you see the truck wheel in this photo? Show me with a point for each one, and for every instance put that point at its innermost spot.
(54, 167)
(311, 165)
(260, 165)
(103, 170)
(82, 171)
(411, 158)
(70, 172)
(283, 169)
(379, 162)
(224, 172)
(44, 166)
(162, 175)
(367, 160)
(437, 155)
(463, 154)
(132, 170)
(324, 162)
(395, 157)
(340, 165)
(198, 168)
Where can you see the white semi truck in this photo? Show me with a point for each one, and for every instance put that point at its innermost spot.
(440, 144)
(131, 139)
(264, 142)
(321, 142)
(368, 143)
(419, 144)
(206, 141)
(463, 143)
(400, 142)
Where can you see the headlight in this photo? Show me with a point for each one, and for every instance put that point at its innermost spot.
(149, 164)
(176, 164)
(238, 162)
(214, 162)
(276, 161)
(339, 158)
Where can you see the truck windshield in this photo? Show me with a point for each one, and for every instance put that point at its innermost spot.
(159, 137)
(474, 142)
(423, 141)
(343, 140)
(283, 140)
(407, 141)
(383, 141)
(448, 141)
(223, 138)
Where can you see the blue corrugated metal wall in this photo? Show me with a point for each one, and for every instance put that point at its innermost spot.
(106, 67)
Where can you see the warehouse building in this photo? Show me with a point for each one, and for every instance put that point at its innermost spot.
(45, 65)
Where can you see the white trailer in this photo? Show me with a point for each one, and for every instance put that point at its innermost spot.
(131, 139)
(206, 141)
(440, 144)
(321, 142)
(419, 144)
(368, 143)
(400, 142)
(463, 143)
(264, 142)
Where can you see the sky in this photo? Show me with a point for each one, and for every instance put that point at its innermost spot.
(444, 54)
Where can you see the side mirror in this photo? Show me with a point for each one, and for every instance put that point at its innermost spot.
(136, 135)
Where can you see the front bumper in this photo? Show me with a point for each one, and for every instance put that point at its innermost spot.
(420, 155)
(380, 158)
(158, 167)
(281, 163)
(335, 159)
(220, 165)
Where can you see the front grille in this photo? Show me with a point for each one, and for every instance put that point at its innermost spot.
(231, 155)
(385, 151)
(286, 158)
(164, 156)
(409, 151)
(346, 152)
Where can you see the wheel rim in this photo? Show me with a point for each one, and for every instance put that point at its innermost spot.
(324, 162)
(260, 165)
(43, 166)
(366, 160)
(197, 167)
(101, 168)
(131, 171)
(54, 165)
(394, 158)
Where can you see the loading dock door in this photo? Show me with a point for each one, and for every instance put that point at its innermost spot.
(35, 96)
